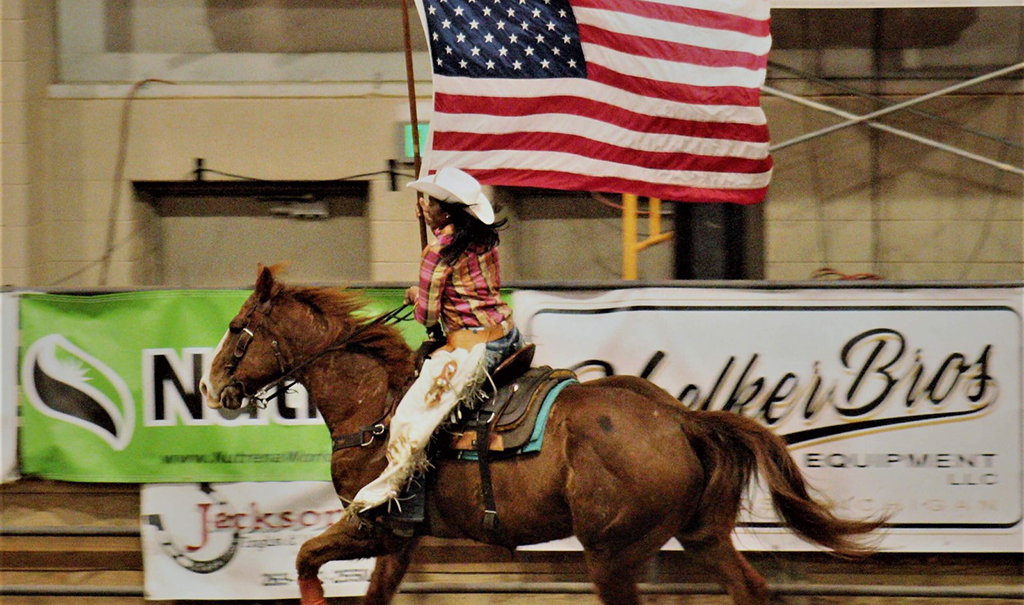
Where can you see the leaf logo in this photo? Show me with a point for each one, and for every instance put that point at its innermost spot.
(59, 380)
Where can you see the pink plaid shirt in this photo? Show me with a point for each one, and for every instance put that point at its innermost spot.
(464, 295)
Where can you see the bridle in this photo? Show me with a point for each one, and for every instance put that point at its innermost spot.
(254, 321)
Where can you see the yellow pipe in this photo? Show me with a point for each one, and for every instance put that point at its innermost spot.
(654, 205)
(629, 245)
(654, 239)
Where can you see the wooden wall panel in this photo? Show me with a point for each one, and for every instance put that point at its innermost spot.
(116, 561)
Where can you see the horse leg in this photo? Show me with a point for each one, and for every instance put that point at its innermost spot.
(616, 567)
(387, 575)
(615, 574)
(731, 568)
(349, 538)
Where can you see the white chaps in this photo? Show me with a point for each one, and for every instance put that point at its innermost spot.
(446, 379)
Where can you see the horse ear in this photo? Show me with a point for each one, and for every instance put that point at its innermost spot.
(280, 267)
(266, 287)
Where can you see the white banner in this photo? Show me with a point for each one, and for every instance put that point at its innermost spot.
(8, 387)
(239, 540)
(906, 401)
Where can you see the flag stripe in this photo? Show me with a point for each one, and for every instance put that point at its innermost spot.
(648, 105)
(756, 10)
(712, 39)
(673, 51)
(672, 72)
(597, 130)
(553, 179)
(684, 15)
(558, 107)
(687, 93)
(592, 167)
(594, 128)
(596, 150)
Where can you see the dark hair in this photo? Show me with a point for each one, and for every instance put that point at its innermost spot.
(469, 231)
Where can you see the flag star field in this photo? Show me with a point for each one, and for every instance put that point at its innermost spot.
(505, 39)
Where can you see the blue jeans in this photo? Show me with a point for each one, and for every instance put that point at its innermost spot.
(499, 350)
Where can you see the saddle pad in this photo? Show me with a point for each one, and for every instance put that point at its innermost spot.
(516, 401)
(536, 440)
(509, 415)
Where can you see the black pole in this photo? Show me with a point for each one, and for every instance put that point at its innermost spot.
(717, 241)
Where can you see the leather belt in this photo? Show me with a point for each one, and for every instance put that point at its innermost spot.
(467, 338)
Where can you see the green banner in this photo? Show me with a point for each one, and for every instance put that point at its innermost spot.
(109, 391)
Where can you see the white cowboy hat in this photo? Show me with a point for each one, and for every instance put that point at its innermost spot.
(453, 185)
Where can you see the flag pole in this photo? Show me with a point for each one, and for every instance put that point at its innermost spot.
(411, 81)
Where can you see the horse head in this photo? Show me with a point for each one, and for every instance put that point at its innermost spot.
(250, 355)
(282, 331)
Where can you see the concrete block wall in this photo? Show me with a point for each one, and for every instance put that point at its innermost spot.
(267, 138)
(930, 215)
(65, 222)
(20, 221)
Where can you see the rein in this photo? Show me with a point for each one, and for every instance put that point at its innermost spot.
(261, 397)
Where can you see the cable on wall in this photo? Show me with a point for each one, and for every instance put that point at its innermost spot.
(118, 181)
(122, 155)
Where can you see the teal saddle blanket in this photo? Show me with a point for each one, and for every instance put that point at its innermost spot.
(536, 439)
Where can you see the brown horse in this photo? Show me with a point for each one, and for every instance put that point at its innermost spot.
(624, 466)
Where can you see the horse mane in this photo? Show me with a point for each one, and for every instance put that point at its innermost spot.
(337, 307)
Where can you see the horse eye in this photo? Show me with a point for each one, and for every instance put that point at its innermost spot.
(235, 328)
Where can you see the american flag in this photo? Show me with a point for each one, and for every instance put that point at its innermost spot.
(658, 99)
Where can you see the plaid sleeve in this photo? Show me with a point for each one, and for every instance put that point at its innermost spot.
(433, 273)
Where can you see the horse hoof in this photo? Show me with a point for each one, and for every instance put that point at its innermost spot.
(311, 591)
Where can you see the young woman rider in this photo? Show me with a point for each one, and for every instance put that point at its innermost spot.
(458, 289)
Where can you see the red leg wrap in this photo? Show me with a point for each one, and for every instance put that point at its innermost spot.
(311, 591)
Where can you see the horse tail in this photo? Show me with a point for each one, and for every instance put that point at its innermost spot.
(733, 448)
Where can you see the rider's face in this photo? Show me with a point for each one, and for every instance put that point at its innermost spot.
(435, 217)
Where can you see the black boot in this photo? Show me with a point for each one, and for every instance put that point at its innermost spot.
(409, 511)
